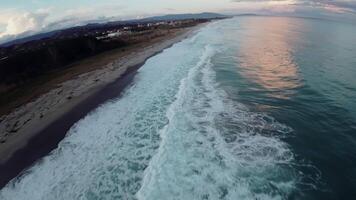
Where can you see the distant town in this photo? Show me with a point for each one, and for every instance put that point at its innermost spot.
(26, 58)
(100, 32)
(24, 61)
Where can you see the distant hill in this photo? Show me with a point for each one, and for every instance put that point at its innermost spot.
(40, 36)
(30, 38)
(54, 51)
(205, 15)
(246, 14)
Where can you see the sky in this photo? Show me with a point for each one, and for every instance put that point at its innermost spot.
(25, 17)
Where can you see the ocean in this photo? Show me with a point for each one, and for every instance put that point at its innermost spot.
(247, 108)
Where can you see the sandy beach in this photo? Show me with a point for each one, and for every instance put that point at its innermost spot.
(35, 128)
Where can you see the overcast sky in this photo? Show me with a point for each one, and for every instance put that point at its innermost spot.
(29, 16)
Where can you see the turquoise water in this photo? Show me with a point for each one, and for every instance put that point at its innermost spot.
(247, 108)
(301, 72)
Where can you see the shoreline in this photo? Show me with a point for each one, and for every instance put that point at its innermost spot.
(39, 137)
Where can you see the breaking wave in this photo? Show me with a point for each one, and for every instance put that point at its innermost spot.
(174, 134)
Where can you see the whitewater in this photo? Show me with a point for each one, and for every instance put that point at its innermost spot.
(173, 134)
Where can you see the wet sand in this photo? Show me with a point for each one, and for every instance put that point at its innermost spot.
(67, 104)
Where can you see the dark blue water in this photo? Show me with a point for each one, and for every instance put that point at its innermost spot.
(303, 73)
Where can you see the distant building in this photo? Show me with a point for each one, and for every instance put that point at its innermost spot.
(161, 23)
(115, 34)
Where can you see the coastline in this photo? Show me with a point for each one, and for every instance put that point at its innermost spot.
(67, 104)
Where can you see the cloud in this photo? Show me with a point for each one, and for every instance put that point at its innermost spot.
(339, 6)
(18, 23)
(25, 22)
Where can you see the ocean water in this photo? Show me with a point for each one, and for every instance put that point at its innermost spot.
(247, 108)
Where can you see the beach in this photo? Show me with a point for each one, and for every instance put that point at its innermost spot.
(35, 128)
(250, 107)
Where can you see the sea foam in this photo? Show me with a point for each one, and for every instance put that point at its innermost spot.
(213, 148)
(174, 134)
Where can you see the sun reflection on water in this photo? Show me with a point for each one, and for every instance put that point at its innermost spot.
(266, 57)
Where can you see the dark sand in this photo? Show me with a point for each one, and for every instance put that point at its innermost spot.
(47, 139)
